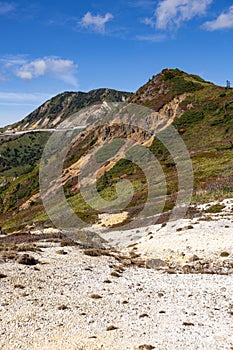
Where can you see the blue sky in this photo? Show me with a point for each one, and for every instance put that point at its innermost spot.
(48, 47)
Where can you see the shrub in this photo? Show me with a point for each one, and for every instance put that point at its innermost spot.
(216, 208)
(180, 86)
(188, 118)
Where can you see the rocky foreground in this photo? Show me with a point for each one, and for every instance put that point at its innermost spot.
(59, 295)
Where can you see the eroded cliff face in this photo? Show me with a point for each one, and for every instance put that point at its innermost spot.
(132, 129)
(57, 109)
(98, 138)
(171, 111)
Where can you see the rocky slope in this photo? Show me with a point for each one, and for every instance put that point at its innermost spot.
(201, 112)
(57, 109)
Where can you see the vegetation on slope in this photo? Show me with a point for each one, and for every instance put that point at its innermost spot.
(205, 124)
(57, 109)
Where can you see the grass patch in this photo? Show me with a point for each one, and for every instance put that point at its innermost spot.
(214, 209)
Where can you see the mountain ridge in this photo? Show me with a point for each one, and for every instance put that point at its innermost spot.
(160, 90)
(53, 111)
(200, 111)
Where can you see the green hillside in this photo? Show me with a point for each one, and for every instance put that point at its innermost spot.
(201, 112)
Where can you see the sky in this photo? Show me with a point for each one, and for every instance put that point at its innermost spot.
(48, 47)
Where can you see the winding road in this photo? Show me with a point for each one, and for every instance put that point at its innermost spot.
(15, 133)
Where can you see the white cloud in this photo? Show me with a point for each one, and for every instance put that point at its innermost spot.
(96, 23)
(18, 98)
(142, 3)
(148, 21)
(171, 14)
(223, 21)
(56, 67)
(154, 38)
(13, 60)
(6, 7)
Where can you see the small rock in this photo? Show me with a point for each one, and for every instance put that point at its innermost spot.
(61, 252)
(188, 324)
(187, 269)
(126, 262)
(149, 233)
(62, 307)
(2, 275)
(19, 286)
(26, 259)
(231, 310)
(155, 264)
(171, 271)
(194, 258)
(111, 328)
(160, 295)
(143, 315)
(146, 347)
(96, 296)
(92, 252)
(115, 274)
(224, 254)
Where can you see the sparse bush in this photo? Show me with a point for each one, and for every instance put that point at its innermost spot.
(214, 209)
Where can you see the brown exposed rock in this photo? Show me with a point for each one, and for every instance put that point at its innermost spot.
(63, 307)
(146, 347)
(96, 296)
(224, 254)
(188, 324)
(111, 328)
(194, 258)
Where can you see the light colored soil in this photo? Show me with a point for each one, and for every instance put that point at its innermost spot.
(167, 311)
(31, 319)
(111, 219)
(206, 236)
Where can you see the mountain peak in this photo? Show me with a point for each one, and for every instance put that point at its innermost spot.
(51, 113)
(165, 86)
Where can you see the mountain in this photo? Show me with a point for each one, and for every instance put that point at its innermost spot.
(201, 112)
(58, 108)
(167, 85)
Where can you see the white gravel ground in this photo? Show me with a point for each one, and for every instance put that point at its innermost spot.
(49, 306)
(206, 236)
(146, 306)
